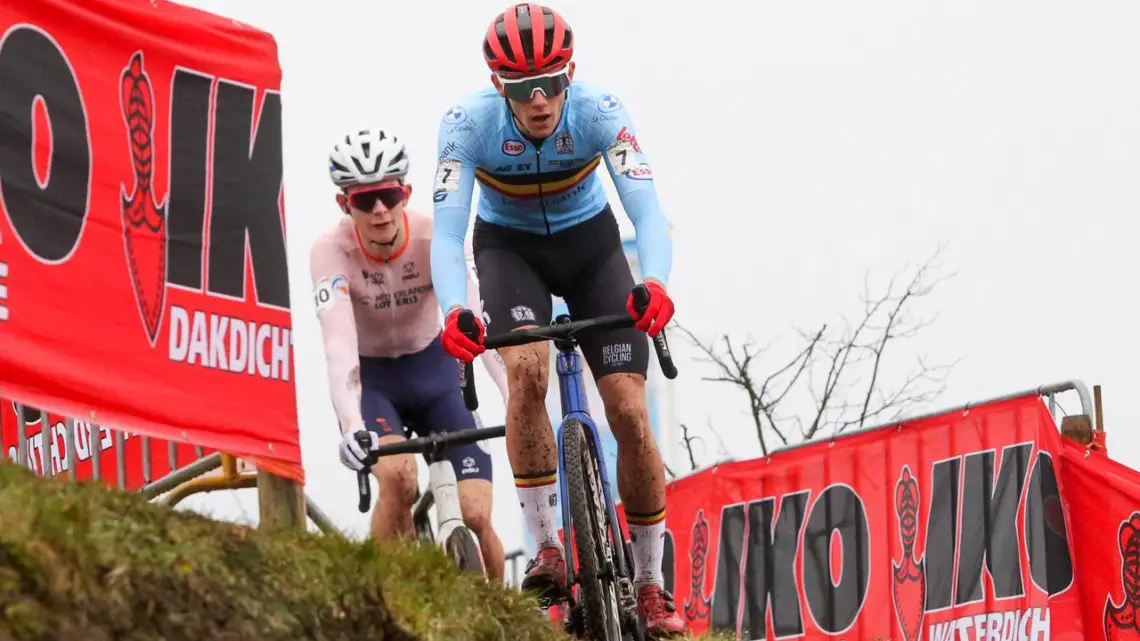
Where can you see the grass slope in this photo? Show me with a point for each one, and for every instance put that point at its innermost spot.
(78, 560)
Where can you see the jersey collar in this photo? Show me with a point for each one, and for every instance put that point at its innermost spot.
(391, 257)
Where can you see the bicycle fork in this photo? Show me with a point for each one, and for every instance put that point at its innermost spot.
(620, 567)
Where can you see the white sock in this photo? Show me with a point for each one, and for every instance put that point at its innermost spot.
(647, 538)
(538, 496)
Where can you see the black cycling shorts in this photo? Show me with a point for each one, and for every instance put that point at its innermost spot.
(420, 393)
(585, 265)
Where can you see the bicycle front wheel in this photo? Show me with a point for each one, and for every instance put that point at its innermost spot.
(461, 547)
(596, 584)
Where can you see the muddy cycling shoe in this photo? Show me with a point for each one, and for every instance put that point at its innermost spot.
(658, 612)
(546, 577)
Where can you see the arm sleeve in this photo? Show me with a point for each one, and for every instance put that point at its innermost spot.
(454, 182)
(329, 275)
(629, 169)
(491, 360)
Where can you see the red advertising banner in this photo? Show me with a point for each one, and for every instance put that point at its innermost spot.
(948, 528)
(46, 452)
(143, 275)
(1103, 500)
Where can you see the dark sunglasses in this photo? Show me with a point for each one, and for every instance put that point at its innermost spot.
(522, 89)
(389, 195)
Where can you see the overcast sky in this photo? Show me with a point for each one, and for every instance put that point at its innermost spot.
(795, 147)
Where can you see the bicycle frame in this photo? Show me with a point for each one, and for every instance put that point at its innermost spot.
(442, 492)
(575, 405)
(442, 488)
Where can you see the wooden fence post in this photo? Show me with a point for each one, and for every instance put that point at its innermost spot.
(281, 502)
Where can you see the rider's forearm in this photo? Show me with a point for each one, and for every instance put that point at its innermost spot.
(448, 265)
(342, 356)
(654, 244)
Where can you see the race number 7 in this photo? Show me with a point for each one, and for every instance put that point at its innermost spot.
(447, 175)
(621, 155)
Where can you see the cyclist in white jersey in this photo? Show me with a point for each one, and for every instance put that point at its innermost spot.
(380, 322)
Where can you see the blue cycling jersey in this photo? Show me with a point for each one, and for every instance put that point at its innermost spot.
(540, 189)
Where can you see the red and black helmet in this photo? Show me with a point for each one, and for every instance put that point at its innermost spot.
(528, 39)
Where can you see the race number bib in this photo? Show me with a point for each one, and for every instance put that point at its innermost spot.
(328, 290)
(447, 175)
(622, 156)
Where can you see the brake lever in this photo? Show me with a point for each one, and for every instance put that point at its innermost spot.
(660, 343)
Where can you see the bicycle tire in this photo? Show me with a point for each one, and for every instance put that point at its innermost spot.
(589, 535)
(462, 549)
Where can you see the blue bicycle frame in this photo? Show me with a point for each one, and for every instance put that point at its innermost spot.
(574, 404)
(575, 407)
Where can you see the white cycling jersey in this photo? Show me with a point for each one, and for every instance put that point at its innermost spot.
(379, 307)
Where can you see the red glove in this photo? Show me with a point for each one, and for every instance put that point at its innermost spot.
(456, 343)
(657, 314)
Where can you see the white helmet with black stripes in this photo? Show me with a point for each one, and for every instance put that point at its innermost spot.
(367, 156)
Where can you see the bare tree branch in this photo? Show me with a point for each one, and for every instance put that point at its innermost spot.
(688, 441)
(845, 375)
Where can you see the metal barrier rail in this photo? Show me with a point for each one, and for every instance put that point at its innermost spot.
(41, 454)
(513, 579)
(1049, 391)
(44, 464)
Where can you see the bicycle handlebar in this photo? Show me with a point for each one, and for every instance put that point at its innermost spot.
(434, 443)
(556, 331)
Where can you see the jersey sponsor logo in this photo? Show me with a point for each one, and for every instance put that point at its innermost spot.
(446, 178)
(513, 147)
(401, 297)
(410, 271)
(522, 313)
(449, 149)
(506, 169)
(608, 103)
(640, 172)
(566, 196)
(624, 134)
(564, 144)
(455, 115)
(617, 354)
(469, 466)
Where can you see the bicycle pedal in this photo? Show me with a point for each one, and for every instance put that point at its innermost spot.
(550, 597)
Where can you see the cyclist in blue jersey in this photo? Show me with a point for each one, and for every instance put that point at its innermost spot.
(544, 226)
